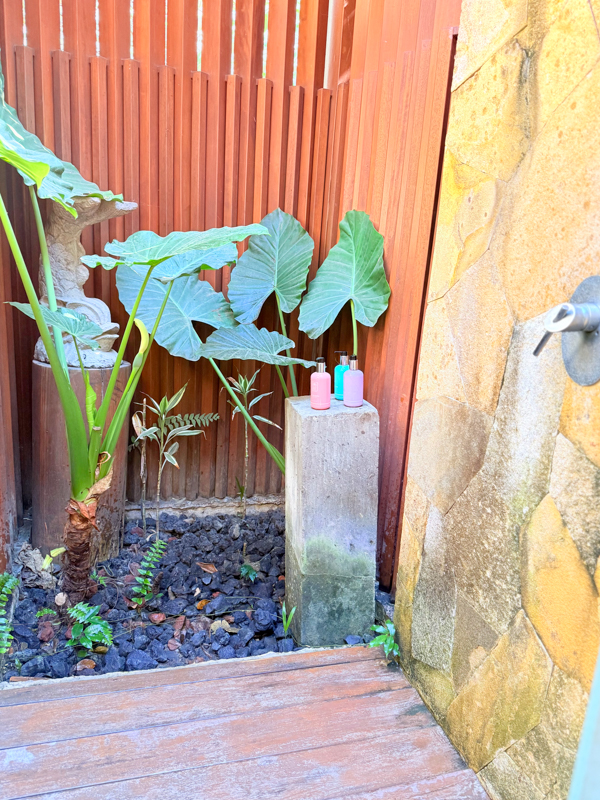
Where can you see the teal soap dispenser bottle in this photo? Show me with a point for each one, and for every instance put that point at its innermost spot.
(338, 375)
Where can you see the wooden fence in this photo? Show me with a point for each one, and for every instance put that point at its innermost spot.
(173, 103)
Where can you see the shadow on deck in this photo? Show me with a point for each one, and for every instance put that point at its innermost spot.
(320, 725)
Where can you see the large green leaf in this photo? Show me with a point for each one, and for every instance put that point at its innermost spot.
(191, 263)
(248, 343)
(277, 263)
(189, 300)
(55, 179)
(353, 270)
(147, 247)
(68, 321)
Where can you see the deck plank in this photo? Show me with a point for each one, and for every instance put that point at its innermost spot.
(326, 773)
(143, 708)
(87, 686)
(326, 725)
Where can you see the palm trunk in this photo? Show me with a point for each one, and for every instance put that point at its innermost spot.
(78, 538)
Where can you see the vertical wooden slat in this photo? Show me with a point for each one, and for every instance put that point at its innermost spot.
(293, 149)
(318, 171)
(25, 86)
(80, 42)
(310, 74)
(11, 33)
(261, 162)
(248, 55)
(99, 99)
(232, 150)
(216, 63)
(149, 50)
(198, 154)
(43, 35)
(62, 104)
(336, 163)
(131, 142)
(280, 64)
(166, 109)
(114, 27)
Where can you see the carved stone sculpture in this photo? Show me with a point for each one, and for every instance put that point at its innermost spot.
(63, 234)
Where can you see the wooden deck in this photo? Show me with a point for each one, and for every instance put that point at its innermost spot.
(321, 725)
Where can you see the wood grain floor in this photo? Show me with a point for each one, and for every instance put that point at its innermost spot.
(321, 725)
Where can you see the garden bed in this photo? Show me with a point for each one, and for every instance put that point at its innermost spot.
(205, 610)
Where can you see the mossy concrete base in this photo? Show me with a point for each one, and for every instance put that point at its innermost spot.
(331, 519)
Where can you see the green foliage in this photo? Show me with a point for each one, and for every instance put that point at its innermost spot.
(99, 579)
(248, 343)
(277, 263)
(67, 321)
(353, 271)
(243, 387)
(54, 179)
(247, 572)
(88, 628)
(187, 300)
(143, 590)
(43, 612)
(387, 638)
(47, 562)
(287, 620)
(8, 583)
(179, 421)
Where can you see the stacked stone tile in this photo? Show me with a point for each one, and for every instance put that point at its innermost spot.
(497, 600)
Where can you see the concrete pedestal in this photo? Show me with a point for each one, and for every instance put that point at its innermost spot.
(51, 475)
(331, 519)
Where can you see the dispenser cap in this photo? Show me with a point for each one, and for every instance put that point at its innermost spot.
(320, 364)
(343, 356)
(353, 362)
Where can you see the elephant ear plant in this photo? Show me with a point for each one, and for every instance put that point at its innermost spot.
(176, 258)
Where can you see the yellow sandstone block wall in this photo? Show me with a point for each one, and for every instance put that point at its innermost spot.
(497, 601)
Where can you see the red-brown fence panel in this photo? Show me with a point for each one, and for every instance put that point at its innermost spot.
(123, 97)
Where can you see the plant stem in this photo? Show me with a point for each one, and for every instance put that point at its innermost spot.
(288, 351)
(271, 450)
(160, 469)
(39, 224)
(282, 380)
(354, 330)
(96, 437)
(245, 468)
(81, 479)
(143, 469)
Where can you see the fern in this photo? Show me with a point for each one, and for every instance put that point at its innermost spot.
(143, 590)
(7, 585)
(193, 420)
(89, 628)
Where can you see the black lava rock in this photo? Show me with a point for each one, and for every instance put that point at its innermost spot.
(227, 652)
(125, 647)
(60, 664)
(174, 607)
(242, 652)
(199, 638)
(37, 666)
(285, 645)
(112, 661)
(139, 659)
(353, 639)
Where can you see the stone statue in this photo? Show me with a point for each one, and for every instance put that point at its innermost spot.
(63, 234)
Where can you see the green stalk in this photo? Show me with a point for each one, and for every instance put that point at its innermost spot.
(39, 224)
(272, 451)
(282, 379)
(74, 423)
(102, 413)
(116, 424)
(288, 351)
(354, 330)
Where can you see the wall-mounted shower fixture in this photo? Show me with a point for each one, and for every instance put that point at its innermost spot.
(579, 322)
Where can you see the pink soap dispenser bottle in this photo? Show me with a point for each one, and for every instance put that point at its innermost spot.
(354, 382)
(320, 387)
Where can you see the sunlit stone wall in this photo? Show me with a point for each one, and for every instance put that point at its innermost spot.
(497, 602)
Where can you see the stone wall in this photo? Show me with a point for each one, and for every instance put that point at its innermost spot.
(497, 600)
